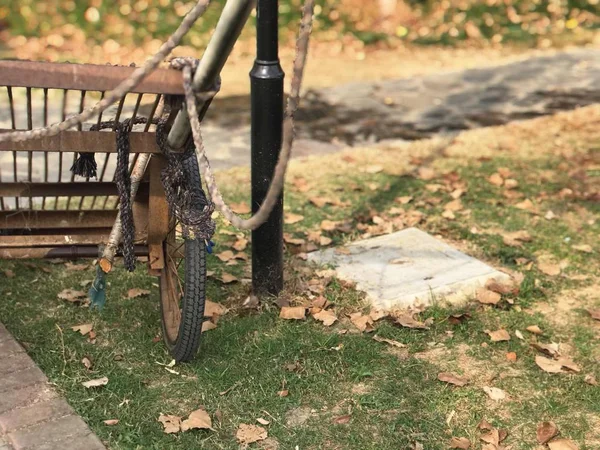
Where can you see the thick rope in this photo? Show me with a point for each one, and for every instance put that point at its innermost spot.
(122, 89)
(276, 185)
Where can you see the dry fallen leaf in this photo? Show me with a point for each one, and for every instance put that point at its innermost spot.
(487, 297)
(499, 335)
(451, 378)
(225, 255)
(72, 295)
(460, 443)
(502, 287)
(291, 218)
(549, 268)
(328, 225)
(534, 329)
(562, 444)
(560, 365)
(136, 292)
(590, 379)
(111, 422)
(87, 362)
(426, 174)
(241, 244)
(197, 419)
(551, 349)
(496, 179)
(594, 313)
(9, 273)
(247, 434)
(262, 421)
(377, 314)
(207, 325)
(511, 356)
(391, 342)
(293, 313)
(227, 278)
(212, 309)
(76, 267)
(95, 383)
(407, 320)
(494, 393)
(585, 248)
(283, 393)
(240, 208)
(83, 328)
(171, 423)
(516, 238)
(546, 431)
(328, 317)
(363, 323)
(342, 419)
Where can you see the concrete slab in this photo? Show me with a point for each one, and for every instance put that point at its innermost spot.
(408, 268)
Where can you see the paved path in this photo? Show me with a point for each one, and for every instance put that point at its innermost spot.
(370, 112)
(32, 415)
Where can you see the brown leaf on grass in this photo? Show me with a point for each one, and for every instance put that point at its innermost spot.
(456, 319)
(594, 313)
(325, 241)
(377, 314)
(499, 335)
(511, 183)
(451, 378)
(585, 248)
(534, 329)
(251, 302)
(262, 421)
(320, 202)
(516, 238)
(87, 363)
(460, 443)
(9, 273)
(76, 267)
(560, 365)
(247, 434)
(212, 309)
(326, 316)
(171, 423)
(426, 173)
(137, 292)
(562, 444)
(407, 320)
(283, 393)
(549, 268)
(241, 244)
(72, 295)
(487, 297)
(207, 325)
(502, 287)
(341, 420)
(83, 328)
(111, 422)
(484, 425)
(491, 437)
(511, 356)
(289, 239)
(590, 379)
(545, 432)
(551, 349)
(291, 218)
(293, 313)
(496, 179)
(240, 208)
(227, 278)
(95, 383)
(405, 199)
(454, 205)
(389, 341)
(363, 323)
(225, 255)
(494, 393)
(328, 225)
(525, 205)
(197, 419)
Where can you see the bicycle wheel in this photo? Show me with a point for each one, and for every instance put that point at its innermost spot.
(183, 286)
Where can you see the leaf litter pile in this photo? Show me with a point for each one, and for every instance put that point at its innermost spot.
(320, 361)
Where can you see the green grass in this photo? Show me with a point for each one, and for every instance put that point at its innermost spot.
(393, 397)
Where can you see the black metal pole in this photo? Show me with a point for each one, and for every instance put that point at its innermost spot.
(266, 95)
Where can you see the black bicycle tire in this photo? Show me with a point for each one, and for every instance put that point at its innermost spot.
(187, 342)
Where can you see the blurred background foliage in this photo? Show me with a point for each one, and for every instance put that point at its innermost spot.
(54, 27)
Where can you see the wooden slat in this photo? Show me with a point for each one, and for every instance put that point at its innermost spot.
(64, 189)
(83, 142)
(88, 77)
(49, 219)
(56, 240)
